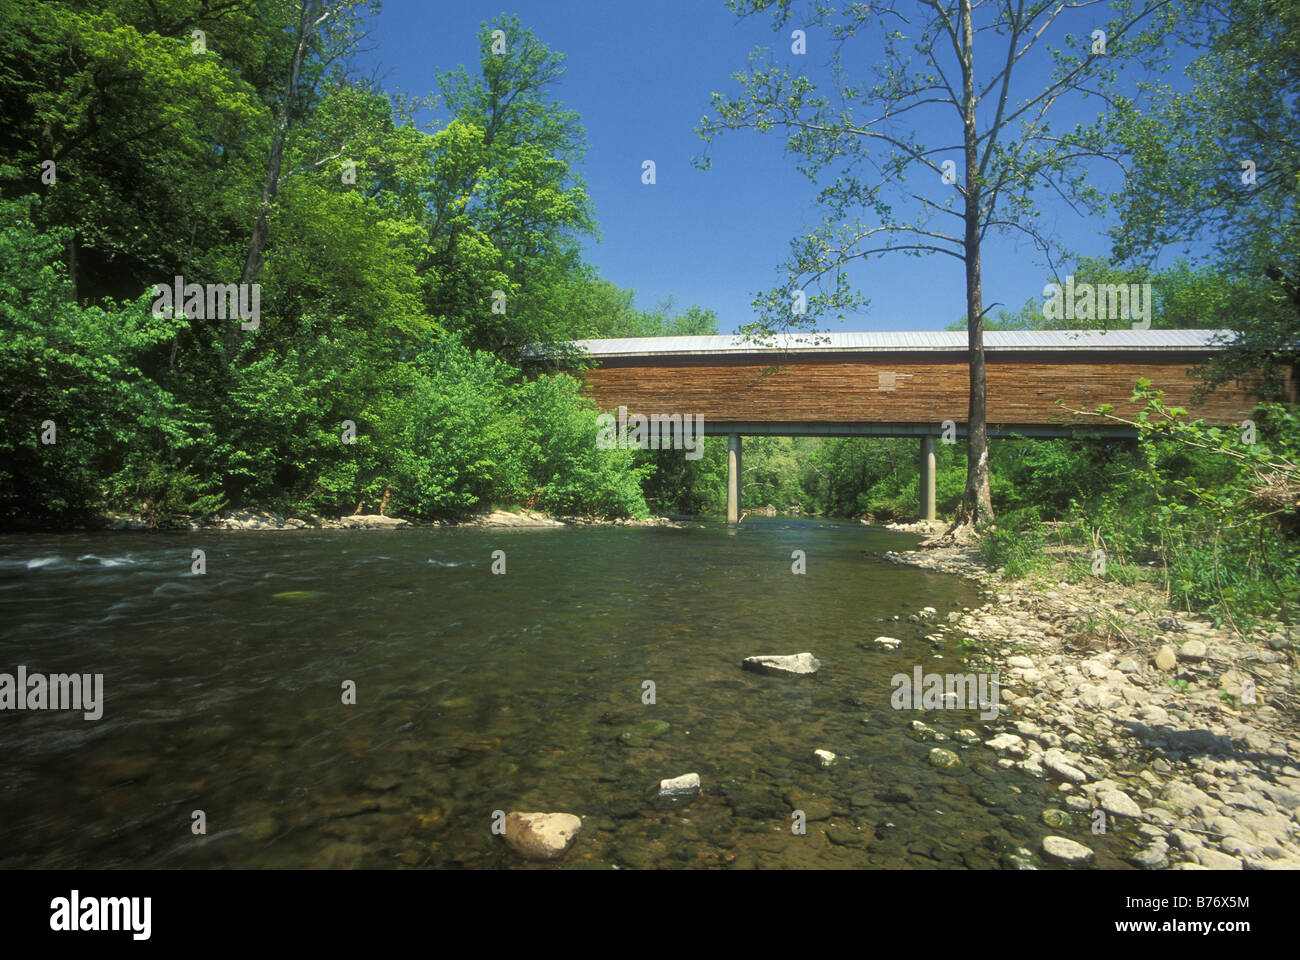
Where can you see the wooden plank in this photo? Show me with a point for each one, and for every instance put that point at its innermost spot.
(894, 390)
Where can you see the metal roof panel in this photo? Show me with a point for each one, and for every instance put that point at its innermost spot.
(905, 341)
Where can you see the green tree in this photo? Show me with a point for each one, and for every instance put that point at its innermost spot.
(506, 207)
(1001, 145)
(1220, 163)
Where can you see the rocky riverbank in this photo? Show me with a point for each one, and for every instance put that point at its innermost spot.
(261, 520)
(1148, 719)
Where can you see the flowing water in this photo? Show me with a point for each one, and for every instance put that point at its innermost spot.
(478, 692)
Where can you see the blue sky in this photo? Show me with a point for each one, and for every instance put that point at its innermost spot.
(640, 76)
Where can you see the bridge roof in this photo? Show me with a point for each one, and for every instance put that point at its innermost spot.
(937, 341)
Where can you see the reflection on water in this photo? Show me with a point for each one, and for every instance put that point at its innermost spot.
(478, 692)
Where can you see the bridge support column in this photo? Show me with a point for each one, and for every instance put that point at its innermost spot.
(926, 495)
(733, 477)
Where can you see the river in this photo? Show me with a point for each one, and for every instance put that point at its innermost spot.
(478, 692)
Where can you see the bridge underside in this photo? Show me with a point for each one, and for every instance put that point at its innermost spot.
(800, 428)
(735, 433)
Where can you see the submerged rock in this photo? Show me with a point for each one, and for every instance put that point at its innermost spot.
(639, 733)
(541, 836)
(944, 759)
(1057, 818)
(1154, 857)
(795, 665)
(923, 731)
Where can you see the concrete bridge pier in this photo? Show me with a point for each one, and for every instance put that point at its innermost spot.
(927, 477)
(733, 477)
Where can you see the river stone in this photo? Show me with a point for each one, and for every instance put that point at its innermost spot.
(889, 642)
(1119, 803)
(541, 836)
(1065, 850)
(1057, 763)
(814, 807)
(944, 759)
(638, 733)
(796, 665)
(966, 736)
(1184, 797)
(923, 731)
(1154, 857)
(1006, 743)
(1166, 659)
(824, 757)
(1057, 818)
(685, 785)
(897, 793)
(1192, 650)
(1233, 682)
(1214, 860)
(1024, 663)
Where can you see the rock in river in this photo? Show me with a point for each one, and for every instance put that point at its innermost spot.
(541, 836)
(944, 759)
(1065, 850)
(638, 734)
(796, 665)
(685, 785)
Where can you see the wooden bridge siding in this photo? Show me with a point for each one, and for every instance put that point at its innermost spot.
(925, 389)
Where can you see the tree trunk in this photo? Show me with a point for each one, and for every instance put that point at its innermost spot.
(976, 505)
(271, 183)
(72, 267)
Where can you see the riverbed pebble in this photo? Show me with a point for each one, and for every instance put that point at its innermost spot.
(1066, 850)
(541, 836)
